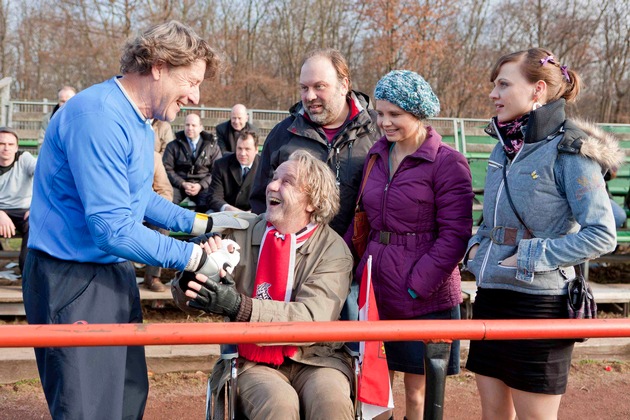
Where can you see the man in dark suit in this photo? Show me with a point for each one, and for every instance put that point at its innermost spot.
(188, 161)
(231, 177)
(228, 131)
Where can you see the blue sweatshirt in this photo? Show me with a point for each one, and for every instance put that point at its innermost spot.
(92, 186)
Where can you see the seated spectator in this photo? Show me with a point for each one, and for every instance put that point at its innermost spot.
(161, 185)
(306, 278)
(188, 161)
(64, 95)
(231, 183)
(618, 212)
(16, 189)
(227, 132)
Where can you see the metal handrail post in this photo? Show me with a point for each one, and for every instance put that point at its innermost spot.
(463, 135)
(436, 357)
(456, 135)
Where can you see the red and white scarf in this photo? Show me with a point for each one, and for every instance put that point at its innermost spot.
(274, 281)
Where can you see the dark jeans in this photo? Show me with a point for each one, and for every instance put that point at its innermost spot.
(201, 200)
(86, 382)
(21, 226)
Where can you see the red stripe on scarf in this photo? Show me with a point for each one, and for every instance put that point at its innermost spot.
(274, 281)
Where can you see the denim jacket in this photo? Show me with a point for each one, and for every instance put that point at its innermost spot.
(556, 185)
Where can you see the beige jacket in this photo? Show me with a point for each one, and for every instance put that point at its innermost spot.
(163, 135)
(161, 184)
(323, 273)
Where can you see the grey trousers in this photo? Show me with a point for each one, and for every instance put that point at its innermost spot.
(317, 392)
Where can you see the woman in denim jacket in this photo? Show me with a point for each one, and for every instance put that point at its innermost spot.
(554, 170)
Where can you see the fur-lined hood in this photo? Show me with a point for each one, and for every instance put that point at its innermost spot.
(597, 144)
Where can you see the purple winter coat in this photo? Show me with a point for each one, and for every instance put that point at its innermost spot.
(428, 208)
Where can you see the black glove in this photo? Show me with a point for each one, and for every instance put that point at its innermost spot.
(178, 290)
(202, 239)
(183, 279)
(220, 298)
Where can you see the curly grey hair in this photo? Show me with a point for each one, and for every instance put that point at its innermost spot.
(318, 182)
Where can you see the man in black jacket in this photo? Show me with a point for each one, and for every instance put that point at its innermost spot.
(228, 131)
(233, 175)
(188, 161)
(332, 122)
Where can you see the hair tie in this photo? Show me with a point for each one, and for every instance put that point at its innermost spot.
(565, 73)
(548, 59)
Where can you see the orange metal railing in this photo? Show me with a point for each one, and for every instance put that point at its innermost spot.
(304, 332)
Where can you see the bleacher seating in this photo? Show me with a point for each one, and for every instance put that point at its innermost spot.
(465, 135)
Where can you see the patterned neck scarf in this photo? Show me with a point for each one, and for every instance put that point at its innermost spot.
(274, 281)
(511, 134)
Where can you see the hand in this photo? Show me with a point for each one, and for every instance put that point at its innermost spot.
(473, 251)
(192, 189)
(229, 207)
(7, 228)
(213, 238)
(218, 222)
(220, 298)
(179, 286)
(218, 255)
(509, 261)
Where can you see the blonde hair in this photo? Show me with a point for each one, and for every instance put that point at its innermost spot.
(539, 64)
(172, 43)
(318, 182)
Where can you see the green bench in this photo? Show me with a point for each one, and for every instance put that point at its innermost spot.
(623, 237)
(30, 145)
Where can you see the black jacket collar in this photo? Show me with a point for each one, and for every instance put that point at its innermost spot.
(544, 122)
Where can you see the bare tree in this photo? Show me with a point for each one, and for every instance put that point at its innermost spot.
(4, 38)
(615, 54)
(48, 43)
(462, 72)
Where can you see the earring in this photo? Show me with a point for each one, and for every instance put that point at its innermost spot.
(536, 106)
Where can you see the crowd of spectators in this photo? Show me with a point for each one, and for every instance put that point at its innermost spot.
(272, 230)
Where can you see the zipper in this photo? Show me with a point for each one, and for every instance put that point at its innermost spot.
(189, 157)
(349, 162)
(337, 167)
(385, 199)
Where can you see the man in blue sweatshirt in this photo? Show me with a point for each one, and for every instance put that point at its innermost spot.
(92, 191)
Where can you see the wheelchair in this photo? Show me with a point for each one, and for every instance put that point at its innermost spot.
(435, 362)
(229, 353)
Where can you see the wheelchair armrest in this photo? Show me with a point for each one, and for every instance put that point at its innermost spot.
(352, 348)
(229, 351)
